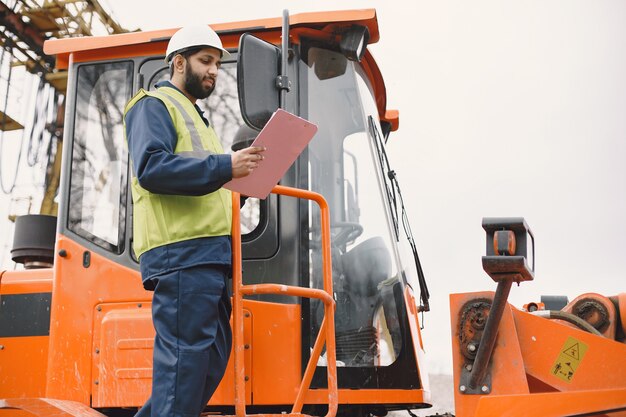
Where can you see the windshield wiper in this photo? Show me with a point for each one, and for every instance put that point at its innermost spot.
(395, 197)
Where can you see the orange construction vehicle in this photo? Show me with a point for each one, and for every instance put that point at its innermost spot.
(327, 284)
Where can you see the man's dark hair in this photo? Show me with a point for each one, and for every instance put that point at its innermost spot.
(186, 53)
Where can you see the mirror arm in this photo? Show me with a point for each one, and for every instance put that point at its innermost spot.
(282, 81)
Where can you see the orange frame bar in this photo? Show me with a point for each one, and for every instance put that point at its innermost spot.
(327, 330)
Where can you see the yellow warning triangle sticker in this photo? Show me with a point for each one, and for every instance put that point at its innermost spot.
(573, 351)
(570, 356)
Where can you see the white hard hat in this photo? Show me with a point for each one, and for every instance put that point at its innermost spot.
(191, 36)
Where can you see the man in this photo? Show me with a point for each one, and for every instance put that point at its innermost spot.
(182, 224)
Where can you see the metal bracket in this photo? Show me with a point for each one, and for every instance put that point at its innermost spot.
(283, 83)
(464, 383)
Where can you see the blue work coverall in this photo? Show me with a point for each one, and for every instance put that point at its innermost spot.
(191, 304)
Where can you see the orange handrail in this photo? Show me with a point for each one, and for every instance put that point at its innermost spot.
(327, 329)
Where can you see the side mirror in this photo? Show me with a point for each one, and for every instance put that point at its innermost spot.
(258, 70)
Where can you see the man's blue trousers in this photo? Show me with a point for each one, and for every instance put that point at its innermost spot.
(190, 310)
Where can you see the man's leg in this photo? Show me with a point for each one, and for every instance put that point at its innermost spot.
(186, 315)
(220, 352)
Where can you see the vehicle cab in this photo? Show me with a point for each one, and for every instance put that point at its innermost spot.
(100, 336)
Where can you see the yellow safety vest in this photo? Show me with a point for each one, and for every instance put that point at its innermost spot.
(161, 219)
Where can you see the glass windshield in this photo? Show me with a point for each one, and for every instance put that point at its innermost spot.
(344, 169)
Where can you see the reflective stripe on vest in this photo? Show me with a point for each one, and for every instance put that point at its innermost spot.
(160, 219)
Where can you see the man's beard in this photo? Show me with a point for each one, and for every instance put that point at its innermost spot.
(193, 84)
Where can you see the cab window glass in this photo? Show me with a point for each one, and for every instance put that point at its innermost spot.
(99, 158)
(342, 167)
(222, 111)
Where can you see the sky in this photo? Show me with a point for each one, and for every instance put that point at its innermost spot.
(506, 109)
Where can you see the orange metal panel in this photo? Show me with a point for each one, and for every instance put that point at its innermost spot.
(77, 292)
(26, 281)
(378, 83)
(22, 366)
(122, 345)
(122, 348)
(393, 117)
(507, 367)
(130, 51)
(542, 341)
(554, 404)
(276, 347)
(225, 393)
(23, 359)
(12, 412)
(47, 407)
(530, 350)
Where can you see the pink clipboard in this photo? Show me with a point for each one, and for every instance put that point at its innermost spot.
(284, 136)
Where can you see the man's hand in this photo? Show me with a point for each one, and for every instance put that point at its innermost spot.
(246, 160)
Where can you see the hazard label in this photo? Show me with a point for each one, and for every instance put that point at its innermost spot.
(569, 358)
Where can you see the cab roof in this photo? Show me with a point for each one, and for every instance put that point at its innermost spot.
(125, 45)
(316, 20)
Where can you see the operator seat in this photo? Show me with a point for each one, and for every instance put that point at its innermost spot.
(364, 267)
